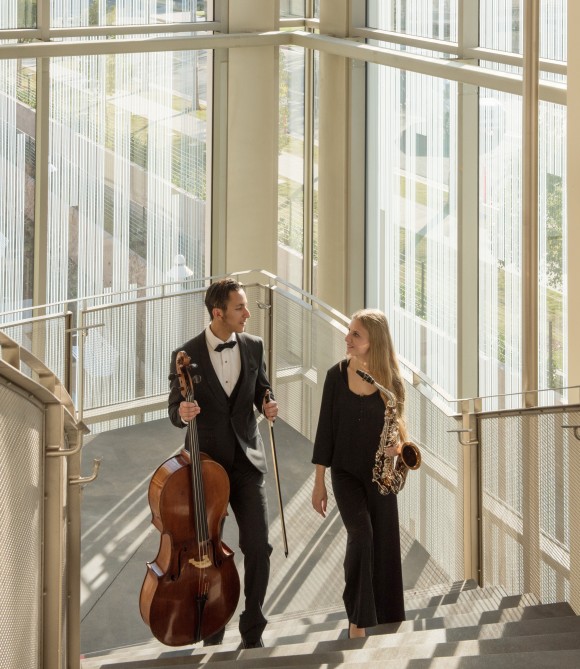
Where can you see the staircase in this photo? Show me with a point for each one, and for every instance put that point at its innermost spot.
(459, 626)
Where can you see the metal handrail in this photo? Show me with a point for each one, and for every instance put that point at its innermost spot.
(162, 290)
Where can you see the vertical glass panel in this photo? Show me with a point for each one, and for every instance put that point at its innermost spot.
(553, 250)
(291, 165)
(17, 14)
(315, 126)
(500, 195)
(501, 25)
(292, 8)
(317, 9)
(127, 190)
(412, 216)
(69, 13)
(554, 29)
(423, 18)
(17, 180)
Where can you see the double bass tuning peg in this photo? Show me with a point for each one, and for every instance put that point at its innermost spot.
(191, 369)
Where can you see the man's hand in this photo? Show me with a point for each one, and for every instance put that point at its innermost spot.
(270, 407)
(188, 411)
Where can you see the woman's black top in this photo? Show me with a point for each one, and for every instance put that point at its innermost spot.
(349, 426)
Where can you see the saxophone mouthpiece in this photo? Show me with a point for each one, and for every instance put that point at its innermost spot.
(367, 377)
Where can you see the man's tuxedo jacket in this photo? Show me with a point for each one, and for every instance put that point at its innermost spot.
(225, 421)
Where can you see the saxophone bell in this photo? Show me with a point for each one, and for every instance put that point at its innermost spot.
(410, 455)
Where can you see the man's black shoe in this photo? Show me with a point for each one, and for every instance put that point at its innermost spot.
(252, 644)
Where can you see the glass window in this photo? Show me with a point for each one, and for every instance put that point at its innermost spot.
(17, 14)
(292, 8)
(553, 300)
(501, 23)
(291, 165)
(422, 18)
(500, 215)
(412, 216)
(127, 190)
(73, 13)
(17, 180)
(500, 194)
(315, 127)
(554, 29)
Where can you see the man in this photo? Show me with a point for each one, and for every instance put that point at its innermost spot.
(233, 381)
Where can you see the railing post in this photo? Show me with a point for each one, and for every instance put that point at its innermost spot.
(73, 557)
(54, 544)
(68, 352)
(471, 496)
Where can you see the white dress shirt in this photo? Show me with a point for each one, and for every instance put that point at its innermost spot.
(227, 363)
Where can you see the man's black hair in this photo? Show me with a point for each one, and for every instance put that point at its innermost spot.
(218, 294)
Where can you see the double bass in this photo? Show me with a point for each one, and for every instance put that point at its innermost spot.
(192, 588)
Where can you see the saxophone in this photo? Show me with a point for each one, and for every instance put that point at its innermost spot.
(391, 478)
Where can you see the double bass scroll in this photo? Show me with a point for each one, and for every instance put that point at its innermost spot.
(192, 588)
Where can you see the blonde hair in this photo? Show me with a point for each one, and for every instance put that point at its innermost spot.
(383, 363)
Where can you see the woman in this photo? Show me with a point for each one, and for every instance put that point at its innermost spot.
(349, 429)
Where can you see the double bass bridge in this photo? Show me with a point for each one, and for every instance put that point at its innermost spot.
(201, 564)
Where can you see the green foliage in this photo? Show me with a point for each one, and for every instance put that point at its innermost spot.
(94, 13)
(284, 109)
(554, 209)
(26, 88)
(290, 215)
(26, 14)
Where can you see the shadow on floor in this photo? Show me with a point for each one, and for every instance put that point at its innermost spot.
(118, 538)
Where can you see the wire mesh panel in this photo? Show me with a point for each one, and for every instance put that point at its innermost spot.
(127, 351)
(306, 344)
(21, 483)
(529, 477)
(432, 504)
(169, 323)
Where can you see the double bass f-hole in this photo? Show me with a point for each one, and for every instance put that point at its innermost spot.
(191, 589)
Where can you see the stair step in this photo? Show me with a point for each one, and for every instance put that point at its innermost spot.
(456, 592)
(553, 659)
(472, 654)
(480, 618)
(482, 602)
(483, 611)
(328, 619)
(433, 642)
(442, 593)
(330, 627)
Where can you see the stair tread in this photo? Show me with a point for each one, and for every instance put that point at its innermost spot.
(331, 617)
(555, 659)
(325, 624)
(328, 640)
(435, 656)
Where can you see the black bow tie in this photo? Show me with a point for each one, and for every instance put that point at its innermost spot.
(227, 344)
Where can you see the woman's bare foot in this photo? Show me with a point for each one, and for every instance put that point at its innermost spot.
(355, 632)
